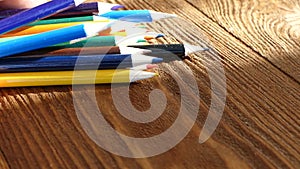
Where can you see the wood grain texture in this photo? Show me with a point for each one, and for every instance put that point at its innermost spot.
(270, 28)
(259, 129)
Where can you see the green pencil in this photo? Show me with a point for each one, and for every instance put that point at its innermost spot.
(90, 42)
(96, 41)
(67, 20)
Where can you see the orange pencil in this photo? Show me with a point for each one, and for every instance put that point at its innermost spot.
(28, 30)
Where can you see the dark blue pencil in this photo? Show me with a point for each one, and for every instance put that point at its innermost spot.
(88, 62)
(83, 9)
(37, 13)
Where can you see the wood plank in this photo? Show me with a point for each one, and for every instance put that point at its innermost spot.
(246, 70)
(270, 28)
(3, 162)
(259, 128)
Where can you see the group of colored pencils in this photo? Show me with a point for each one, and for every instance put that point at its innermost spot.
(77, 43)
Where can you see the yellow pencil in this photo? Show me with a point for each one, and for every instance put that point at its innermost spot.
(72, 77)
(28, 30)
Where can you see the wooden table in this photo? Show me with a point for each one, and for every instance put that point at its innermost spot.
(258, 43)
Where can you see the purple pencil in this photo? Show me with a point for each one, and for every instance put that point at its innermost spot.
(83, 9)
(36, 13)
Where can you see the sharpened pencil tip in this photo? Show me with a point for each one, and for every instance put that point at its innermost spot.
(104, 7)
(93, 28)
(189, 49)
(157, 60)
(145, 67)
(131, 50)
(140, 75)
(160, 36)
(152, 66)
(124, 25)
(160, 15)
(78, 2)
(117, 7)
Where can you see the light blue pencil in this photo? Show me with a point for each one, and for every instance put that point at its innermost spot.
(50, 38)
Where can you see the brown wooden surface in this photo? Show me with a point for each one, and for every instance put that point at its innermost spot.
(258, 42)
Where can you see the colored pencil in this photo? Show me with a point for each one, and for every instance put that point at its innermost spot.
(96, 41)
(130, 16)
(127, 15)
(145, 67)
(29, 30)
(49, 38)
(137, 38)
(68, 20)
(86, 62)
(137, 15)
(36, 13)
(109, 40)
(23, 31)
(181, 50)
(99, 40)
(90, 8)
(11, 38)
(55, 51)
(81, 10)
(72, 77)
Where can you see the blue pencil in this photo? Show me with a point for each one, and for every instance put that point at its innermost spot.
(97, 7)
(128, 15)
(50, 38)
(83, 9)
(88, 62)
(136, 15)
(37, 13)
